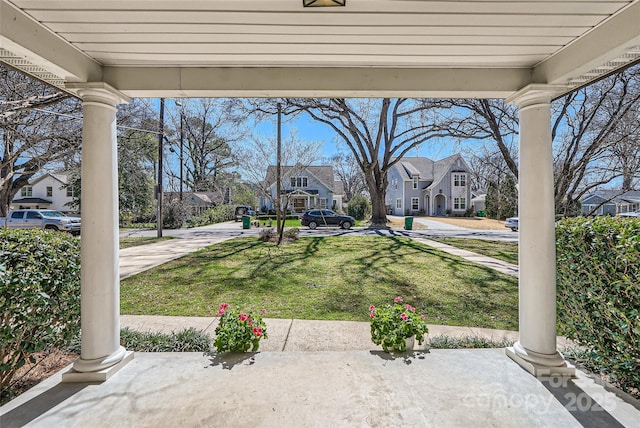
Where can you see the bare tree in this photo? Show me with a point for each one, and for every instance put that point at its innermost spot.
(39, 131)
(348, 171)
(258, 163)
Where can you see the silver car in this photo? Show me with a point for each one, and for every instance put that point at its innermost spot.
(631, 214)
(512, 223)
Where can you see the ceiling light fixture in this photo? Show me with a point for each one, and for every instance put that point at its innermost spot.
(323, 3)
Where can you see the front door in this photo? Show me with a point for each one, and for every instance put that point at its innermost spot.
(299, 205)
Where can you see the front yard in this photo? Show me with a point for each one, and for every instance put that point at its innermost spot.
(326, 278)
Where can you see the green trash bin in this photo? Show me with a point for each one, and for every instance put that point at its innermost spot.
(408, 223)
(246, 222)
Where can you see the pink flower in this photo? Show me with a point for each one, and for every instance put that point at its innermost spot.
(398, 299)
(404, 316)
(250, 321)
(220, 312)
(257, 331)
(422, 317)
(264, 311)
(372, 314)
(222, 307)
(410, 308)
(372, 308)
(243, 317)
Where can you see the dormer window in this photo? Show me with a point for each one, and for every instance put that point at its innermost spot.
(459, 180)
(415, 181)
(298, 181)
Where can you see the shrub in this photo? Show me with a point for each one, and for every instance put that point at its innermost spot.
(39, 295)
(186, 340)
(173, 214)
(267, 234)
(359, 207)
(391, 325)
(292, 233)
(599, 292)
(214, 215)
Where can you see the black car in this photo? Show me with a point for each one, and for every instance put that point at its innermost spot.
(315, 218)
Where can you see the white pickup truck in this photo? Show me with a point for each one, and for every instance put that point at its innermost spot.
(41, 219)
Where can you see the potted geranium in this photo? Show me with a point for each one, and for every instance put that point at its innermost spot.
(392, 326)
(238, 331)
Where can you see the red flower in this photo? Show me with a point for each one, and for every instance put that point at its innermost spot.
(410, 308)
(372, 308)
(372, 314)
(243, 317)
(404, 316)
(257, 331)
(220, 312)
(398, 299)
(224, 306)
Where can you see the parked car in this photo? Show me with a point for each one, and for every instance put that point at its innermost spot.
(630, 214)
(41, 219)
(315, 218)
(242, 210)
(512, 223)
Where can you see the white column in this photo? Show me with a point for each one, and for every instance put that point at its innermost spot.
(536, 348)
(100, 282)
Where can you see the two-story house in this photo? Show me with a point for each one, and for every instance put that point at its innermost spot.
(49, 191)
(303, 188)
(419, 185)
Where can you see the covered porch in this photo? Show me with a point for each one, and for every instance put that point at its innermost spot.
(527, 53)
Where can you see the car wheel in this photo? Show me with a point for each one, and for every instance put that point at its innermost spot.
(50, 227)
(313, 225)
(514, 229)
(346, 225)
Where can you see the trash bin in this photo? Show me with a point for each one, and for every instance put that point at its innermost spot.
(408, 223)
(246, 222)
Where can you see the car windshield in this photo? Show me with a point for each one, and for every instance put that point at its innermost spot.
(53, 214)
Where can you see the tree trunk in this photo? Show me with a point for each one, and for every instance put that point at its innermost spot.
(377, 184)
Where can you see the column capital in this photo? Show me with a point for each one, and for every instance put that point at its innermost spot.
(99, 92)
(535, 94)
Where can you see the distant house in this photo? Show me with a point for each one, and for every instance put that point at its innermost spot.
(610, 202)
(304, 188)
(419, 185)
(478, 200)
(197, 202)
(49, 191)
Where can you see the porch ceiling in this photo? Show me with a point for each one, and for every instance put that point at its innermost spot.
(414, 48)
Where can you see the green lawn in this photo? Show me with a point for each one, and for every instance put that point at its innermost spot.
(326, 278)
(506, 251)
(134, 241)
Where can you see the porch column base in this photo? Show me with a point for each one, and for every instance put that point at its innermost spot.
(100, 374)
(540, 365)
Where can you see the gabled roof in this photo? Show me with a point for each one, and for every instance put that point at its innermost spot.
(31, 201)
(323, 174)
(62, 178)
(427, 169)
(613, 195)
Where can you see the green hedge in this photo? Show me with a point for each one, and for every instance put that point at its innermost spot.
(218, 214)
(599, 292)
(39, 295)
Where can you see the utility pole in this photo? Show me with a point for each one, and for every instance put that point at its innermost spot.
(179, 104)
(278, 176)
(160, 155)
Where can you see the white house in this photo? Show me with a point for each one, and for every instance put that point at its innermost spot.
(49, 191)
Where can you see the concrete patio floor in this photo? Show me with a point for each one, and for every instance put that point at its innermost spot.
(440, 388)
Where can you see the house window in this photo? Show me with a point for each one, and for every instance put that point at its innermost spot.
(415, 182)
(323, 202)
(459, 180)
(298, 181)
(49, 191)
(414, 204)
(26, 192)
(459, 203)
(399, 204)
(69, 192)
